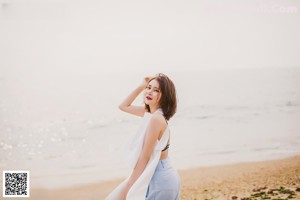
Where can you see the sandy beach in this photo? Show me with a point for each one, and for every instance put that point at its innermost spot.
(276, 179)
(66, 66)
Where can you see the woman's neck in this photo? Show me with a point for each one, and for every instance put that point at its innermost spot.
(153, 109)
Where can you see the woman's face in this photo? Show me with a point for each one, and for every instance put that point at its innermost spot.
(152, 93)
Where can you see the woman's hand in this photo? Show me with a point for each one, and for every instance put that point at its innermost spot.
(124, 192)
(146, 81)
(123, 196)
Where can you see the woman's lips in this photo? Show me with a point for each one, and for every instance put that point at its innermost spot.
(149, 98)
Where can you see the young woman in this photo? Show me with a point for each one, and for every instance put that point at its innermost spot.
(152, 177)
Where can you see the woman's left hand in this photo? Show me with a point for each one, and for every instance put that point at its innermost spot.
(124, 193)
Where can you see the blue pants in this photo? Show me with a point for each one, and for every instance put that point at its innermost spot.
(165, 183)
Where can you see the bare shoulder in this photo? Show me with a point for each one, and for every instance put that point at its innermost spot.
(159, 120)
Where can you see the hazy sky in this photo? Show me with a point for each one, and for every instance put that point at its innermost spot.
(86, 36)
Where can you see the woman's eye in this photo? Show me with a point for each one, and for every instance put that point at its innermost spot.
(156, 90)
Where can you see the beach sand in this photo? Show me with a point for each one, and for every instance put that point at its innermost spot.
(234, 181)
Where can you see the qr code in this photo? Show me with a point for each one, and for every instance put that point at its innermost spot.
(15, 183)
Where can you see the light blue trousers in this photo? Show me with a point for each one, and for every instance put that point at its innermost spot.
(165, 182)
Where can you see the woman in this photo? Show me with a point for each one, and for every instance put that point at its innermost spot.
(152, 176)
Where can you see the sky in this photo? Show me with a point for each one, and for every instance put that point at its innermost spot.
(84, 37)
(68, 64)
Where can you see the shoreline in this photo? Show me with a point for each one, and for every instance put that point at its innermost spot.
(228, 181)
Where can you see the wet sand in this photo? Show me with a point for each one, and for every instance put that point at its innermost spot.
(275, 179)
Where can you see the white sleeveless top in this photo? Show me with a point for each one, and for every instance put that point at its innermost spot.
(139, 188)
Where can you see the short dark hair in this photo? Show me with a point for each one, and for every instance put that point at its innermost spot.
(168, 99)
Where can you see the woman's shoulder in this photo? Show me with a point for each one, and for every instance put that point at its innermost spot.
(158, 115)
(158, 119)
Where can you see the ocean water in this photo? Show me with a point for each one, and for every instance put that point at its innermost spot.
(67, 129)
(66, 65)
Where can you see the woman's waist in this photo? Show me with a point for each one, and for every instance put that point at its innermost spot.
(164, 164)
(164, 155)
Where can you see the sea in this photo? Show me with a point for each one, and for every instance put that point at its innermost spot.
(67, 130)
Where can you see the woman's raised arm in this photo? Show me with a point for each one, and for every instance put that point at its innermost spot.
(126, 104)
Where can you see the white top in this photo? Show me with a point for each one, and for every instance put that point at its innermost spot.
(139, 188)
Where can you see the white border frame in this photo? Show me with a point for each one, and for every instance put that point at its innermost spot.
(16, 171)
